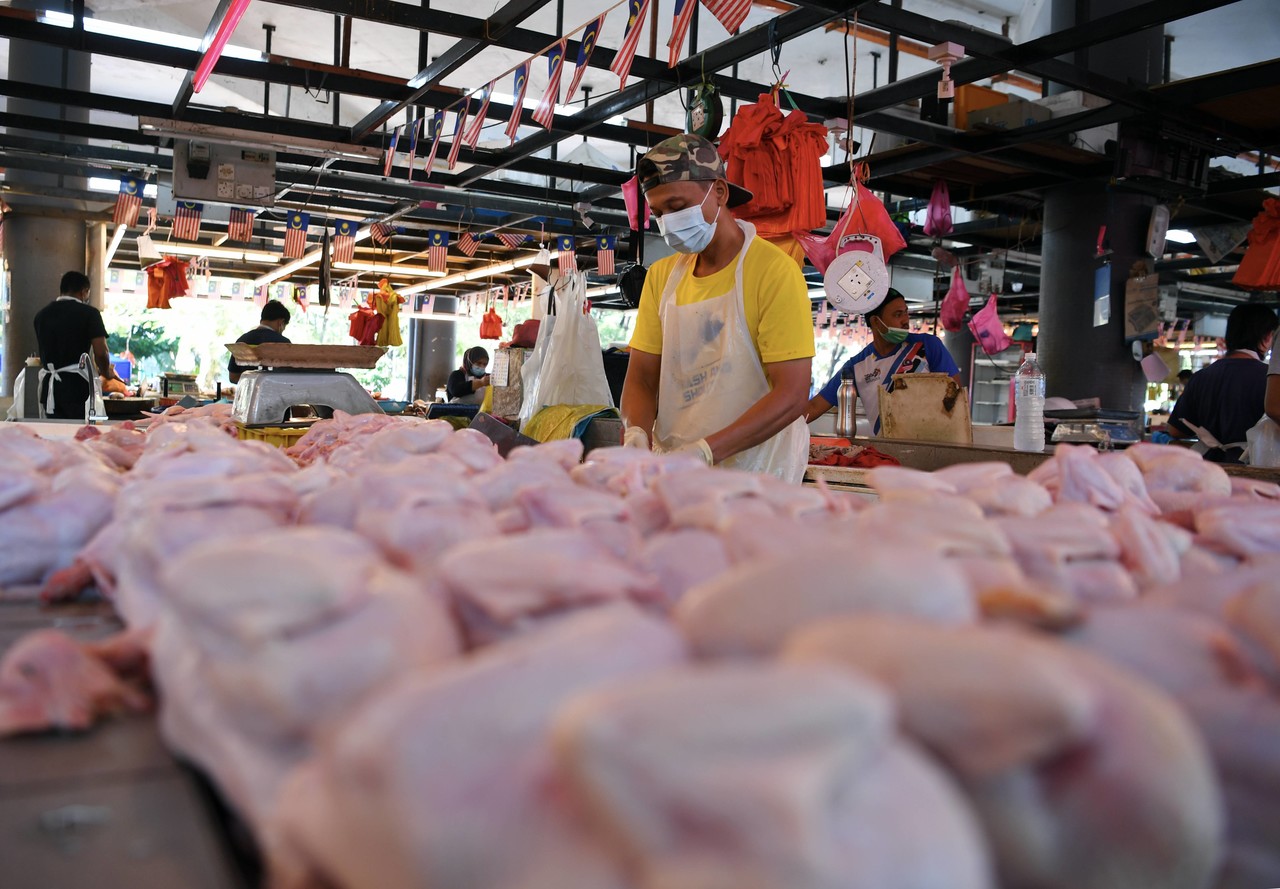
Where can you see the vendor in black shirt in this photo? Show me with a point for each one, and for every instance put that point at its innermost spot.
(270, 329)
(67, 329)
(467, 384)
(1227, 398)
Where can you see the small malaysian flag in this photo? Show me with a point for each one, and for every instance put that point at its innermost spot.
(512, 240)
(382, 232)
(240, 228)
(390, 156)
(468, 243)
(472, 135)
(680, 29)
(129, 201)
(438, 251)
(731, 13)
(459, 125)
(186, 221)
(517, 106)
(585, 49)
(435, 129)
(414, 129)
(295, 234)
(637, 13)
(568, 262)
(344, 240)
(605, 245)
(546, 110)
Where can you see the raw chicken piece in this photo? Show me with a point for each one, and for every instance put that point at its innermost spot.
(1066, 758)
(506, 585)
(48, 680)
(376, 489)
(701, 498)
(119, 447)
(327, 436)
(472, 449)
(392, 443)
(1169, 468)
(1073, 555)
(1128, 476)
(936, 527)
(1150, 549)
(565, 453)
(19, 486)
(1196, 660)
(681, 560)
(772, 777)
(750, 610)
(1010, 496)
(42, 534)
(1249, 528)
(1254, 488)
(626, 470)
(1082, 478)
(448, 779)
(254, 663)
(22, 448)
(886, 479)
(498, 486)
(1254, 615)
(746, 538)
(960, 508)
(964, 477)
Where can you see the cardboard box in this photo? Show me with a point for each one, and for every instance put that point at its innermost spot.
(971, 98)
(1070, 102)
(1010, 116)
(508, 385)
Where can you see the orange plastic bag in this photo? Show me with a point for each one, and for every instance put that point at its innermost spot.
(1260, 268)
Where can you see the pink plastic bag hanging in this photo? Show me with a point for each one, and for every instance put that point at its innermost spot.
(937, 221)
(955, 304)
(988, 330)
(866, 215)
(637, 206)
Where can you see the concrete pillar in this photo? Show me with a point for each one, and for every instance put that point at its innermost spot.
(45, 235)
(433, 344)
(960, 345)
(1080, 360)
(96, 263)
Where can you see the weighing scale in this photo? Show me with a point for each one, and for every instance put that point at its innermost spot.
(300, 383)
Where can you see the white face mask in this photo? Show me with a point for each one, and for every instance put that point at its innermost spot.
(687, 230)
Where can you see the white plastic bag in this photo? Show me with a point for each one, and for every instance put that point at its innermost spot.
(1264, 443)
(571, 365)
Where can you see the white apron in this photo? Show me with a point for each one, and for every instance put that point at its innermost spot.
(84, 367)
(711, 375)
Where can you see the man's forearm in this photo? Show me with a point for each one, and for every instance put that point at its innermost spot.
(639, 407)
(763, 420)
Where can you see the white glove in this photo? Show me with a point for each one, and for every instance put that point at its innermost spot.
(699, 449)
(635, 437)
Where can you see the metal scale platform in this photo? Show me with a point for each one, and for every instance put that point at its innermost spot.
(300, 383)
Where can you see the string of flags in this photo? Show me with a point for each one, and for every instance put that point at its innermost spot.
(186, 220)
(344, 240)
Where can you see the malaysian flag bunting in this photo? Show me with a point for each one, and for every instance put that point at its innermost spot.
(477, 123)
(129, 201)
(637, 12)
(186, 221)
(344, 240)
(567, 260)
(459, 125)
(546, 110)
(438, 251)
(521, 87)
(414, 129)
(435, 129)
(585, 48)
(680, 29)
(731, 13)
(295, 234)
(240, 228)
(390, 157)
(382, 232)
(605, 245)
(468, 243)
(512, 240)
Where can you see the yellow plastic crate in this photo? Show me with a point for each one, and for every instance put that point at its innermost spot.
(279, 436)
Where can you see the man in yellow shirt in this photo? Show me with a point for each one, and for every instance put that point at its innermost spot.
(722, 352)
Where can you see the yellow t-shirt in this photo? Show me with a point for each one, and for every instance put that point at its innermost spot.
(776, 301)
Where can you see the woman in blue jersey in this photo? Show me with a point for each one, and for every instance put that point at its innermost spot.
(893, 350)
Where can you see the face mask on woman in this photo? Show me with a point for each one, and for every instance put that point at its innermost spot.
(687, 230)
(477, 370)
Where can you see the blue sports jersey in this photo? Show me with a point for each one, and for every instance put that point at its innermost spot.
(919, 353)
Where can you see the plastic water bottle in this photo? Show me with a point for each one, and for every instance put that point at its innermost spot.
(1028, 423)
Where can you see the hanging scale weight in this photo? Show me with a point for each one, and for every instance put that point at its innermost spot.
(706, 111)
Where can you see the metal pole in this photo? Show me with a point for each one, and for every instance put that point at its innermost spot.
(1168, 58)
(893, 48)
(266, 87)
(336, 97)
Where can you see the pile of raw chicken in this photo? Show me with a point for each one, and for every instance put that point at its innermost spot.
(407, 662)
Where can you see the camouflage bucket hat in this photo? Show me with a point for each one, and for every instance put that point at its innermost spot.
(686, 158)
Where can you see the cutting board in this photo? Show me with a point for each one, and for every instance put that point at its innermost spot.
(926, 407)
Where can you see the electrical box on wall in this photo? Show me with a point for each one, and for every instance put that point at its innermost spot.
(209, 172)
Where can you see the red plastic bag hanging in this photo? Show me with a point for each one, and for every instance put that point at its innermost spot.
(866, 215)
(987, 329)
(937, 220)
(1260, 268)
(955, 304)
